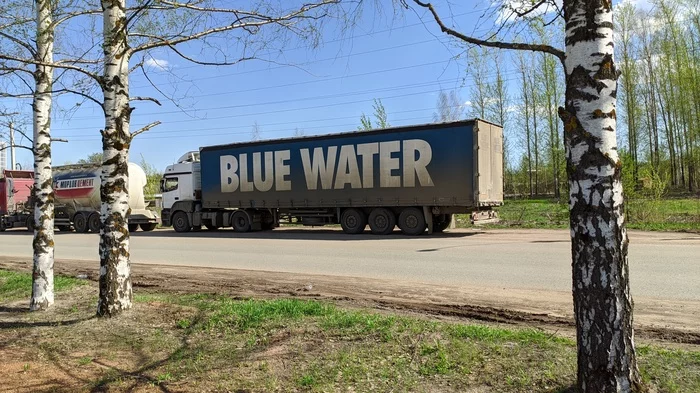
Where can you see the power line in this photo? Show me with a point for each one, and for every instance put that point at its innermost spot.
(147, 136)
(308, 107)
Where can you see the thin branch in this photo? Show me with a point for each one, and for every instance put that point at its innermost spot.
(79, 93)
(207, 63)
(493, 44)
(145, 99)
(25, 135)
(144, 129)
(265, 20)
(19, 42)
(532, 9)
(59, 140)
(17, 146)
(53, 65)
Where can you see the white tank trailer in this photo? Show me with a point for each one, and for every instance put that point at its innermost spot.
(78, 204)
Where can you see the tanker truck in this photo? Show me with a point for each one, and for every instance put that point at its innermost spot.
(77, 198)
(15, 195)
(415, 177)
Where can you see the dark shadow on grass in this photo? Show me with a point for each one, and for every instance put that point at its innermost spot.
(14, 310)
(138, 376)
(19, 325)
(564, 389)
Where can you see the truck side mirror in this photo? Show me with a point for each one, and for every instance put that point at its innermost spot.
(162, 185)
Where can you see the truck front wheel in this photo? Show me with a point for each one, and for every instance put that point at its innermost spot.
(382, 221)
(353, 221)
(181, 223)
(412, 221)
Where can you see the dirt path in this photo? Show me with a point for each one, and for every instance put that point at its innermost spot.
(669, 321)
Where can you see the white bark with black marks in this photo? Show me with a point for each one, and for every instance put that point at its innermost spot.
(602, 300)
(115, 279)
(43, 244)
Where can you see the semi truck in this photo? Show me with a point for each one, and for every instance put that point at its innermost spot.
(15, 195)
(78, 203)
(415, 177)
(76, 199)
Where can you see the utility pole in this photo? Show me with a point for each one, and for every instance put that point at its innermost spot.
(12, 147)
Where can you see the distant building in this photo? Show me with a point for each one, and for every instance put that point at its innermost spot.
(3, 155)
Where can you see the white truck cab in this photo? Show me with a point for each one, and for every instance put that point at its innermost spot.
(182, 182)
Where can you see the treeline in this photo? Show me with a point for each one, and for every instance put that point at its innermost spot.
(658, 57)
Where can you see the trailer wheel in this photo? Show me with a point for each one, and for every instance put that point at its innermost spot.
(30, 223)
(148, 227)
(353, 221)
(382, 221)
(133, 227)
(94, 223)
(412, 221)
(240, 221)
(441, 222)
(80, 223)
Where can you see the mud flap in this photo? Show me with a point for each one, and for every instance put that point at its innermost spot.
(427, 212)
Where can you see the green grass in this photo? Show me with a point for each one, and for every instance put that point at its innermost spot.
(643, 214)
(332, 348)
(15, 286)
(215, 343)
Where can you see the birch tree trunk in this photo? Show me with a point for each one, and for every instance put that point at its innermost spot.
(115, 279)
(602, 300)
(43, 244)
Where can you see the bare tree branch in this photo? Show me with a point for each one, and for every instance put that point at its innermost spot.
(144, 129)
(493, 44)
(260, 20)
(145, 99)
(59, 140)
(19, 42)
(54, 65)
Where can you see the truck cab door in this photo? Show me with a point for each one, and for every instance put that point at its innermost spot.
(169, 187)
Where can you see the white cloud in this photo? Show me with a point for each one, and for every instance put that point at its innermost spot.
(157, 63)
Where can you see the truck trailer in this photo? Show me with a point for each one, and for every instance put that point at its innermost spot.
(78, 203)
(15, 196)
(415, 177)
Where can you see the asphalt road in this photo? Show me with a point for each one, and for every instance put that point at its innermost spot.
(662, 265)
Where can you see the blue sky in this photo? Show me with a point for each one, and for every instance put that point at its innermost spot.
(399, 60)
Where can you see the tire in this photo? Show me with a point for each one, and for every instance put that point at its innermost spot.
(240, 221)
(148, 227)
(353, 221)
(382, 221)
(181, 223)
(30, 224)
(94, 223)
(64, 228)
(133, 227)
(441, 222)
(80, 222)
(412, 221)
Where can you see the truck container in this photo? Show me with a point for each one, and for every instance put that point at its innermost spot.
(78, 204)
(15, 195)
(415, 177)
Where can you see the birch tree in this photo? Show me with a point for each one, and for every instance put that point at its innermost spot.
(17, 62)
(599, 243)
(201, 19)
